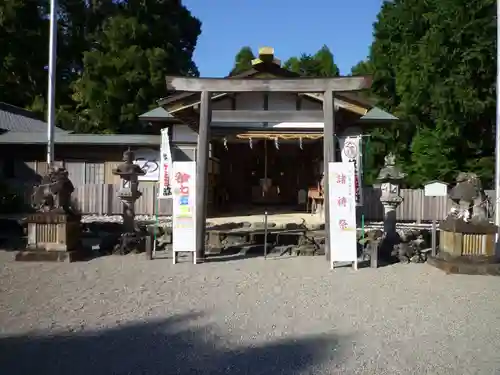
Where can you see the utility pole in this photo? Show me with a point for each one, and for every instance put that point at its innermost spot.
(51, 112)
(497, 137)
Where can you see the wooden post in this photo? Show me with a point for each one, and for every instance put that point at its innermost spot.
(328, 156)
(434, 227)
(202, 173)
(149, 245)
(374, 253)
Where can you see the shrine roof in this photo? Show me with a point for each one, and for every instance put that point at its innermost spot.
(16, 119)
(373, 115)
(172, 108)
(80, 139)
(157, 114)
(378, 114)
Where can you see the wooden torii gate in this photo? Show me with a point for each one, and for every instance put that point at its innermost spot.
(207, 86)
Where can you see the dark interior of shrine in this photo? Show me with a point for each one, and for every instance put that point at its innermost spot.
(292, 168)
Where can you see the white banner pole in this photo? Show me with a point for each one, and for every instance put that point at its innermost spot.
(51, 112)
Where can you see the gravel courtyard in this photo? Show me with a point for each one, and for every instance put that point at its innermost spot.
(126, 315)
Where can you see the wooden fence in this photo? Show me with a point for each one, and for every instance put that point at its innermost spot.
(415, 206)
(101, 199)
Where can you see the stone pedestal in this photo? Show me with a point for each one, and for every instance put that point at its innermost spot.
(390, 215)
(467, 244)
(466, 248)
(52, 237)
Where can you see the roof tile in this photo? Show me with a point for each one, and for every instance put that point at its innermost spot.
(17, 119)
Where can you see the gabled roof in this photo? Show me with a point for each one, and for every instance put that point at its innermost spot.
(173, 107)
(378, 114)
(182, 101)
(373, 115)
(156, 114)
(262, 66)
(15, 119)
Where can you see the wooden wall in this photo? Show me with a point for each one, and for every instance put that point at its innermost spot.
(95, 184)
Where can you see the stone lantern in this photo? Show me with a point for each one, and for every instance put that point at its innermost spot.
(390, 178)
(128, 194)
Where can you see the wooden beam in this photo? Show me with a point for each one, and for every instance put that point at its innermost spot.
(267, 116)
(202, 173)
(328, 156)
(337, 84)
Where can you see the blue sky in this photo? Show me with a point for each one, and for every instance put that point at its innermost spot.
(290, 27)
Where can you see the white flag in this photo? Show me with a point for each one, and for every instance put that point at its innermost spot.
(165, 166)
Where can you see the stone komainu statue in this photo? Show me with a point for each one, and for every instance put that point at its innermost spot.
(54, 192)
(469, 198)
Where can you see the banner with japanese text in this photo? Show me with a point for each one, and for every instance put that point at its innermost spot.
(183, 210)
(342, 197)
(352, 152)
(165, 166)
(148, 160)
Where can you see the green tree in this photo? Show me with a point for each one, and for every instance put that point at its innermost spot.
(363, 67)
(78, 22)
(434, 67)
(24, 37)
(327, 66)
(24, 53)
(304, 65)
(321, 64)
(112, 57)
(124, 74)
(242, 61)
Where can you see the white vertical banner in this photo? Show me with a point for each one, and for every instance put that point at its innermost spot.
(165, 166)
(343, 244)
(352, 152)
(183, 210)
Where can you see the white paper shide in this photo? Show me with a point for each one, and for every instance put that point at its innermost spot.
(342, 195)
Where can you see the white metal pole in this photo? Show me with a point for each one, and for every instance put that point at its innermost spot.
(51, 112)
(497, 140)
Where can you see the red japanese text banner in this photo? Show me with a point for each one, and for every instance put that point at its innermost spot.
(342, 196)
(183, 209)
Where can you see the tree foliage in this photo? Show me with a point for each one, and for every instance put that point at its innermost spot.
(111, 61)
(125, 73)
(242, 61)
(23, 53)
(364, 67)
(434, 67)
(321, 64)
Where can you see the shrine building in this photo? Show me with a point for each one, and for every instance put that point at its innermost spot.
(271, 164)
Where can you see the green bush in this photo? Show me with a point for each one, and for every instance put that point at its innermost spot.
(10, 202)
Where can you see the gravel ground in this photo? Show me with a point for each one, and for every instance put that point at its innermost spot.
(126, 315)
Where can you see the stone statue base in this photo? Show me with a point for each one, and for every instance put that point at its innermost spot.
(52, 236)
(466, 248)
